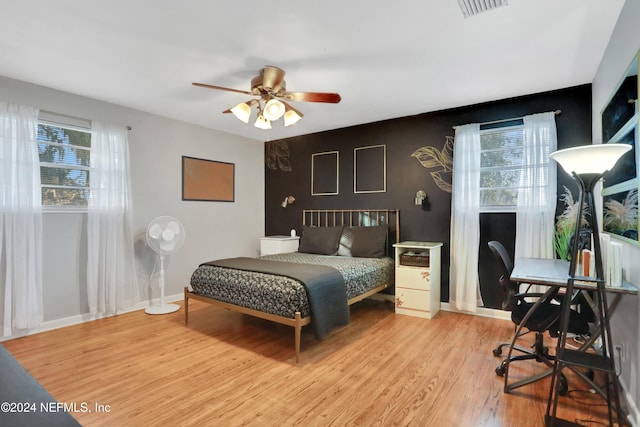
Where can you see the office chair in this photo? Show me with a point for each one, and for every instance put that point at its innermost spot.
(545, 318)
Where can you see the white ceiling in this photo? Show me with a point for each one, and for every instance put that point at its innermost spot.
(387, 59)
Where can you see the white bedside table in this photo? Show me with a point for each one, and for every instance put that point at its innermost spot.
(271, 245)
(418, 278)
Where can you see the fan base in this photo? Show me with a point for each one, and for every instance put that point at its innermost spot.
(162, 309)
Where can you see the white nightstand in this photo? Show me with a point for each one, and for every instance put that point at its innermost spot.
(278, 244)
(418, 278)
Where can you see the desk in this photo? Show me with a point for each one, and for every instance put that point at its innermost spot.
(554, 273)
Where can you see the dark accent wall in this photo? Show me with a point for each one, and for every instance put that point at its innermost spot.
(405, 175)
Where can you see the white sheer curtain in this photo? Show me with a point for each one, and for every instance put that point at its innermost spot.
(111, 278)
(537, 195)
(20, 218)
(465, 219)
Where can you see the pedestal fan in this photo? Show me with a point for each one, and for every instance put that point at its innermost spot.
(165, 235)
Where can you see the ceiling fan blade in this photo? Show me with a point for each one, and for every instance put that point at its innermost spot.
(222, 88)
(332, 98)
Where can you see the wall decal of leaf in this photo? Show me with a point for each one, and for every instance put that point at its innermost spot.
(431, 157)
(277, 156)
(443, 180)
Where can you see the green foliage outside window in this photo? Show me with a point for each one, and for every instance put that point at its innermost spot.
(64, 165)
(500, 167)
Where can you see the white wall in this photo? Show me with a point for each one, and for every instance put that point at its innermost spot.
(624, 44)
(213, 229)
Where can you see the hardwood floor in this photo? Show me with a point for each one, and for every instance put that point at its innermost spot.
(227, 369)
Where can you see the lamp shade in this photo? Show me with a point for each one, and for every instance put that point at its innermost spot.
(242, 111)
(262, 123)
(291, 117)
(589, 159)
(273, 109)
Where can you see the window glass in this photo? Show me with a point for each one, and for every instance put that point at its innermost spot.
(64, 165)
(501, 153)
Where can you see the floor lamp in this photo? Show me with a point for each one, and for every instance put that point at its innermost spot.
(586, 165)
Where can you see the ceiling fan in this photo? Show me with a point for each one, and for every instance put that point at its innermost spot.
(271, 89)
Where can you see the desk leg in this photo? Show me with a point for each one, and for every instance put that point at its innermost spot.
(596, 333)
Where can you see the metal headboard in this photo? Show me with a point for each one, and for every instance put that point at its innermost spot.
(353, 218)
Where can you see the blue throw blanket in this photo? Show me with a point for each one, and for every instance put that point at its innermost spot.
(325, 288)
(26, 402)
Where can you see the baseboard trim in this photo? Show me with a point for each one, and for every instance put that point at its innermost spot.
(86, 317)
(634, 413)
(481, 311)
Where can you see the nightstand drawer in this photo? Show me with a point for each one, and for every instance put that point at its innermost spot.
(412, 299)
(414, 278)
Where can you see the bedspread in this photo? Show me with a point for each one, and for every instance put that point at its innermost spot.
(283, 296)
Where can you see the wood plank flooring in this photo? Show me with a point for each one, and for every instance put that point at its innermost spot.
(228, 369)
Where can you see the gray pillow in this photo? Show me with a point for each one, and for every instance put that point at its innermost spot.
(320, 240)
(364, 242)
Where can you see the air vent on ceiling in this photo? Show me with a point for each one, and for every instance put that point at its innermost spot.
(473, 7)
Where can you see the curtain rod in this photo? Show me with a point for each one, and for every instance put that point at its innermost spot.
(556, 112)
(65, 119)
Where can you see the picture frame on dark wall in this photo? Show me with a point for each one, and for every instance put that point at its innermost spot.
(370, 169)
(620, 108)
(620, 124)
(325, 176)
(626, 168)
(207, 180)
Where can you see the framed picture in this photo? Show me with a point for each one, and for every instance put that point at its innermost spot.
(615, 215)
(370, 169)
(620, 123)
(324, 173)
(627, 167)
(207, 180)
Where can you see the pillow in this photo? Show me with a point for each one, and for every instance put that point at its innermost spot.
(346, 241)
(320, 240)
(364, 242)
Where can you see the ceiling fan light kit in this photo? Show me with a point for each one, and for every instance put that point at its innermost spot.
(273, 109)
(271, 89)
(291, 117)
(262, 122)
(242, 111)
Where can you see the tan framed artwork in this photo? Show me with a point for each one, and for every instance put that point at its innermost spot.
(207, 180)
(325, 174)
(370, 169)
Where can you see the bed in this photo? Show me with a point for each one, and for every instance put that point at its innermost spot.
(342, 259)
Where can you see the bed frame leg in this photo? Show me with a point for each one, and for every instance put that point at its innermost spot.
(298, 328)
(186, 305)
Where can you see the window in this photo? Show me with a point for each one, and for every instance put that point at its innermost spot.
(501, 154)
(64, 146)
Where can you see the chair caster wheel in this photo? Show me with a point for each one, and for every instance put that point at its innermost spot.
(590, 374)
(563, 390)
(500, 370)
(497, 351)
